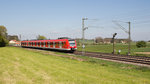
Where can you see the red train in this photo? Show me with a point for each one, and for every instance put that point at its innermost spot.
(58, 44)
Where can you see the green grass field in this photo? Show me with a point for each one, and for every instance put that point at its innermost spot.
(22, 66)
(107, 48)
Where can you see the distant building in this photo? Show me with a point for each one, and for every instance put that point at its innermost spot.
(99, 40)
(109, 40)
(12, 37)
(121, 40)
(14, 43)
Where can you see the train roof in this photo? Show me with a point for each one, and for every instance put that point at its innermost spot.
(48, 40)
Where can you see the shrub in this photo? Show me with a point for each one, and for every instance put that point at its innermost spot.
(3, 42)
(141, 44)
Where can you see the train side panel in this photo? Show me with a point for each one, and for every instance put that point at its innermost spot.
(59, 44)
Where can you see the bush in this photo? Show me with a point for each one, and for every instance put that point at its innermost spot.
(3, 42)
(141, 44)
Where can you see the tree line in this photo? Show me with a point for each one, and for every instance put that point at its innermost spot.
(3, 36)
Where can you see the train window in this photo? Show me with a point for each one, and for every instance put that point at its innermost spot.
(63, 43)
(72, 43)
(51, 43)
(48, 43)
(56, 43)
(42, 43)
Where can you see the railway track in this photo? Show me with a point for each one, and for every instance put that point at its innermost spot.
(124, 58)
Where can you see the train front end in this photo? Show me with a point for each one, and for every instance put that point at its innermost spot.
(72, 45)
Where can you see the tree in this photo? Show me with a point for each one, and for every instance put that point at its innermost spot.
(3, 31)
(3, 36)
(40, 37)
(141, 44)
(3, 41)
(99, 40)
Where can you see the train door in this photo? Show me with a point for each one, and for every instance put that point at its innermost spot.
(48, 44)
(63, 44)
(56, 44)
(53, 44)
(32, 44)
(42, 44)
(38, 44)
(35, 44)
(60, 44)
(27, 43)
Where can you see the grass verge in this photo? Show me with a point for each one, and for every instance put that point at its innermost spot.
(21, 66)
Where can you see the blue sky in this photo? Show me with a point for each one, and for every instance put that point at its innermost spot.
(56, 18)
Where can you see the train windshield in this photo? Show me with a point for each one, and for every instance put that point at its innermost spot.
(72, 43)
